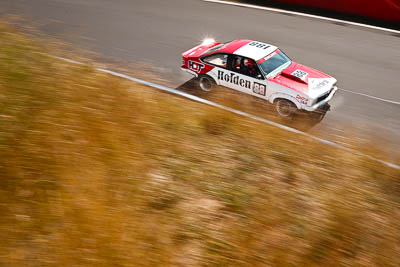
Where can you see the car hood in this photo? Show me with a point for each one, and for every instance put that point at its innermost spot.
(304, 79)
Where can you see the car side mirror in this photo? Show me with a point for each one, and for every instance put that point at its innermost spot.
(260, 77)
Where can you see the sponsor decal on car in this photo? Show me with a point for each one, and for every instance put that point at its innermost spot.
(318, 83)
(302, 99)
(195, 66)
(268, 57)
(233, 78)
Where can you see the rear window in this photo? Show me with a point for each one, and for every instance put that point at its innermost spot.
(216, 59)
(215, 48)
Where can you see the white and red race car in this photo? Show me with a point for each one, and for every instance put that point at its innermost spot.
(261, 70)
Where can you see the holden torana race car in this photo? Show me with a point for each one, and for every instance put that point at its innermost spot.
(260, 70)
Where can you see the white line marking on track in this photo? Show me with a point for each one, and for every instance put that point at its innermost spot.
(370, 96)
(69, 60)
(302, 14)
(235, 111)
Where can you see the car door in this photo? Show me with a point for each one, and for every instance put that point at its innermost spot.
(246, 76)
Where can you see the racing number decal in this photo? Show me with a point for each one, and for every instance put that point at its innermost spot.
(259, 88)
(259, 45)
(300, 74)
(197, 67)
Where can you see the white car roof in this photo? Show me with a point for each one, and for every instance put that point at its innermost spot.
(255, 50)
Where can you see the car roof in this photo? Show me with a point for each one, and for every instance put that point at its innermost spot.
(248, 48)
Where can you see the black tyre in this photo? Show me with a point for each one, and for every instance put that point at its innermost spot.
(206, 83)
(285, 108)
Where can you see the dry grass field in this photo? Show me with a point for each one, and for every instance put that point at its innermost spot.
(97, 171)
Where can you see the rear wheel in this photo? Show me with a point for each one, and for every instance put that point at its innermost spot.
(285, 108)
(206, 83)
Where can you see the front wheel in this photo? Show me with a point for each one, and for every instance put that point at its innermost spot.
(285, 108)
(206, 83)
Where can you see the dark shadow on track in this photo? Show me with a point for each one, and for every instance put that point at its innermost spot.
(253, 105)
(327, 13)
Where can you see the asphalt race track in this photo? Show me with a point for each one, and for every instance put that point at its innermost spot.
(156, 32)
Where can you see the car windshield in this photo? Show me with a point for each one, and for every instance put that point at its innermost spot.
(274, 63)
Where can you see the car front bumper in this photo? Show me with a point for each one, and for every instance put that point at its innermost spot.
(323, 102)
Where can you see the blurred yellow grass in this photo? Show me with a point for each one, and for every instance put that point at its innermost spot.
(98, 171)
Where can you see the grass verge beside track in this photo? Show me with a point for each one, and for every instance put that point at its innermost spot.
(98, 171)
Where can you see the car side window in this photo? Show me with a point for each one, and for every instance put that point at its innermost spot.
(216, 59)
(237, 61)
(245, 66)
